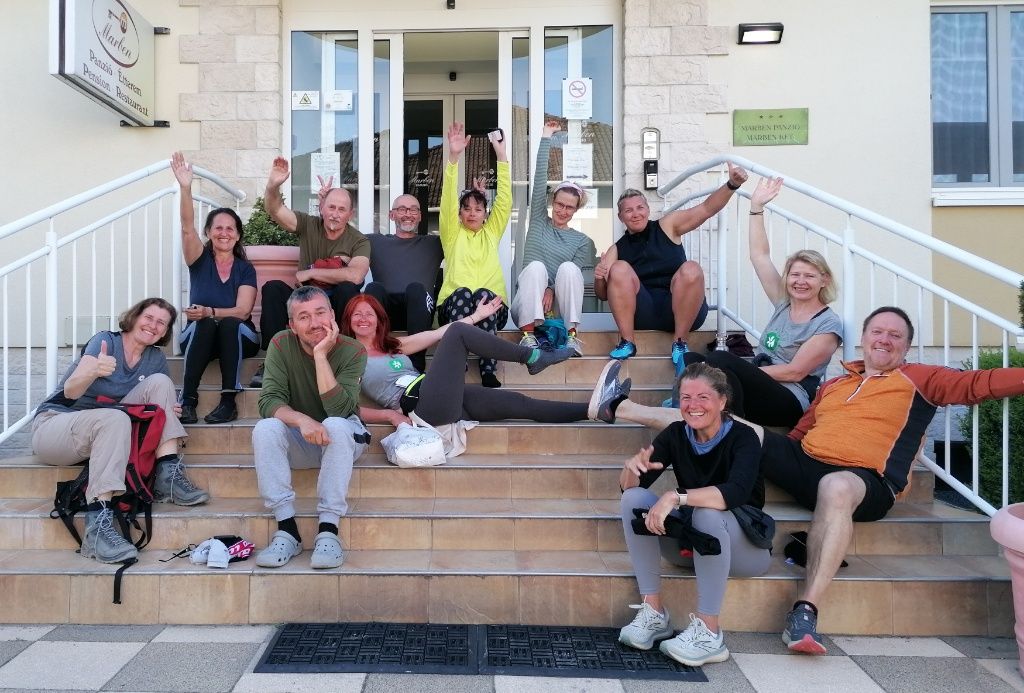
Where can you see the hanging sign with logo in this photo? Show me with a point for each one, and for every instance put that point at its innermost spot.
(104, 48)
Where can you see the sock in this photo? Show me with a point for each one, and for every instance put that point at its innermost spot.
(96, 504)
(290, 527)
(811, 607)
(533, 357)
(167, 458)
(572, 331)
(327, 527)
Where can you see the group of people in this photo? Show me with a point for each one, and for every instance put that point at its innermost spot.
(847, 457)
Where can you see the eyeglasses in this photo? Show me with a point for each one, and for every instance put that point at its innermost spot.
(406, 210)
(562, 207)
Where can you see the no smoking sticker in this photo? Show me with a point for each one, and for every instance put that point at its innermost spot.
(577, 98)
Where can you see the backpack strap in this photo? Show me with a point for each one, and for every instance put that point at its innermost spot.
(117, 578)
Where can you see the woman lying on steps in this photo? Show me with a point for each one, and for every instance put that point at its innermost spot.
(442, 396)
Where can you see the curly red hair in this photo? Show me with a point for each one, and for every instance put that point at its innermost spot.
(383, 340)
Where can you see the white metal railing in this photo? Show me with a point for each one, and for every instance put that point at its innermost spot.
(867, 278)
(91, 264)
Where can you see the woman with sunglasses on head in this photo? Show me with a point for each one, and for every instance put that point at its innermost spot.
(222, 291)
(555, 255)
(470, 239)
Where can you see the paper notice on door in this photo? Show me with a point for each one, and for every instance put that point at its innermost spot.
(577, 98)
(325, 165)
(578, 163)
(338, 100)
(305, 101)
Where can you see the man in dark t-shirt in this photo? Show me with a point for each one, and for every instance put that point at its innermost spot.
(645, 276)
(328, 238)
(405, 272)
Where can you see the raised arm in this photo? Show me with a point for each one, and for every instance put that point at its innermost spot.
(539, 192)
(458, 140)
(272, 199)
(685, 220)
(760, 252)
(191, 244)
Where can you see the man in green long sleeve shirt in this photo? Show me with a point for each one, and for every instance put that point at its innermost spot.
(309, 402)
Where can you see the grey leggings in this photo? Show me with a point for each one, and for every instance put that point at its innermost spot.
(444, 396)
(739, 557)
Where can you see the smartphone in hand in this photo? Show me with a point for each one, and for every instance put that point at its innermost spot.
(496, 135)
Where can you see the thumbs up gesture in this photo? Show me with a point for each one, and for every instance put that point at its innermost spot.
(101, 365)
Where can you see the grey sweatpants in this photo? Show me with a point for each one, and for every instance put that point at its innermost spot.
(277, 449)
(739, 558)
(103, 435)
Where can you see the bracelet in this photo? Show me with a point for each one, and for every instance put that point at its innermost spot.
(757, 214)
(729, 185)
(213, 312)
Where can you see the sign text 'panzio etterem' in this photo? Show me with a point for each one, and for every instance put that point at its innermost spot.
(104, 48)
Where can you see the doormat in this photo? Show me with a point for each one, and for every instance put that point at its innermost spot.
(438, 648)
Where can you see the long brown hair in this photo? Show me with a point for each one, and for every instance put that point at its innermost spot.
(383, 340)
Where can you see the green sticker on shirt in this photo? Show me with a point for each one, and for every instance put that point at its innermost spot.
(771, 341)
(396, 364)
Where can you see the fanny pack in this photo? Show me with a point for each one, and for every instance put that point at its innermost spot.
(411, 396)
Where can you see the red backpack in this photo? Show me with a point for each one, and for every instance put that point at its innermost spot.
(72, 496)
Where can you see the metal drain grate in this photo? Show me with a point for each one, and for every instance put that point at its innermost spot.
(438, 648)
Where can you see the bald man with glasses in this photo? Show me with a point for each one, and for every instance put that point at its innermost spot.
(405, 272)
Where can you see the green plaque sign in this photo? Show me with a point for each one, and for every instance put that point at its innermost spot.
(769, 126)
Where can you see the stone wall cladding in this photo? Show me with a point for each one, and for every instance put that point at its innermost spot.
(238, 107)
(667, 49)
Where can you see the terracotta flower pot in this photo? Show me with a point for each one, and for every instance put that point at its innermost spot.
(271, 262)
(1007, 529)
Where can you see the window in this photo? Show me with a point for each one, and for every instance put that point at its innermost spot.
(977, 58)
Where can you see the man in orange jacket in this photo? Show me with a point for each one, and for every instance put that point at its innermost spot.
(850, 455)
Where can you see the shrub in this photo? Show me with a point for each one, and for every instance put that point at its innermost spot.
(990, 436)
(262, 230)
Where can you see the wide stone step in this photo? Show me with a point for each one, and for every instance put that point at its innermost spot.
(467, 476)
(490, 524)
(875, 595)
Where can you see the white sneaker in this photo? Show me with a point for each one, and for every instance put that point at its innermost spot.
(647, 626)
(575, 344)
(696, 645)
(529, 341)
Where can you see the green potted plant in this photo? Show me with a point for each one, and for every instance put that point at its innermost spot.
(273, 251)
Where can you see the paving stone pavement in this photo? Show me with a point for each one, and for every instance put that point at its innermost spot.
(221, 658)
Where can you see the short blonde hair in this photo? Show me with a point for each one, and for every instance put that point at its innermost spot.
(830, 291)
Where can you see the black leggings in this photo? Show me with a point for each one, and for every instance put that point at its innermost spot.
(756, 396)
(274, 305)
(461, 304)
(227, 339)
(444, 396)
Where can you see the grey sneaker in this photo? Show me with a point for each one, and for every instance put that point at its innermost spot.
(548, 358)
(529, 341)
(696, 645)
(647, 626)
(575, 345)
(102, 540)
(172, 485)
(608, 393)
(801, 634)
(283, 547)
(327, 551)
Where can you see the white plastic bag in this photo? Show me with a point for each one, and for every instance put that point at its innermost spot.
(414, 446)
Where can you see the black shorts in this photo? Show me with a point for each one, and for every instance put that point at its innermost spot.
(784, 462)
(654, 311)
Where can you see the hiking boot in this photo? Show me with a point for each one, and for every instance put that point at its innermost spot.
(696, 645)
(801, 634)
(647, 626)
(225, 412)
(623, 350)
(102, 539)
(283, 547)
(529, 341)
(547, 358)
(172, 485)
(327, 551)
(257, 377)
(608, 393)
(575, 345)
(679, 348)
(188, 414)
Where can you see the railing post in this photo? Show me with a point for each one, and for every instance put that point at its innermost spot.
(177, 297)
(849, 292)
(52, 320)
(721, 281)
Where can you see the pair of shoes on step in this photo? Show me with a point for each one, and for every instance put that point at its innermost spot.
(694, 646)
(223, 413)
(327, 551)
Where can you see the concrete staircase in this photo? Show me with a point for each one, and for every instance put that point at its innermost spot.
(523, 528)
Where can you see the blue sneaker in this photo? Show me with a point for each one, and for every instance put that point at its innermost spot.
(801, 634)
(623, 350)
(679, 348)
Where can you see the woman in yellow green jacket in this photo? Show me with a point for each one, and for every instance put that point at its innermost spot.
(470, 239)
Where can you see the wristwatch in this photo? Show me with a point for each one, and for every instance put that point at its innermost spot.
(682, 498)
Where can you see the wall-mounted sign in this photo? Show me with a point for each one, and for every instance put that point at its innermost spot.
(577, 98)
(104, 48)
(338, 100)
(305, 101)
(769, 126)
